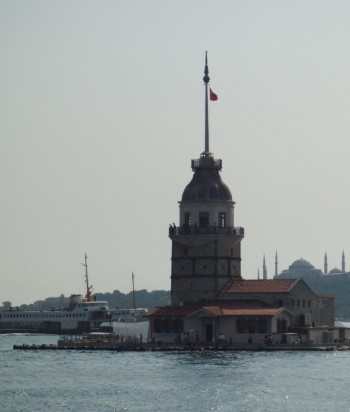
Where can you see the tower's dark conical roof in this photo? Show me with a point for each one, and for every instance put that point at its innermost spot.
(206, 183)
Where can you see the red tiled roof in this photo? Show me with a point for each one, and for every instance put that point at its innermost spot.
(241, 308)
(259, 286)
(218, 308)
(250, 312)
(213, 310)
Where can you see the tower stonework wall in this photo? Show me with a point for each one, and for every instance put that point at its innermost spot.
(202, 265)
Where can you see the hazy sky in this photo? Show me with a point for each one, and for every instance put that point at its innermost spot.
(102, 110)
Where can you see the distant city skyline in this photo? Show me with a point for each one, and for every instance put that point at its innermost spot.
(103, 109)
(270, 267)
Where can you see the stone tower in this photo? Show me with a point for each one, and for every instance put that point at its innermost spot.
(206, 246)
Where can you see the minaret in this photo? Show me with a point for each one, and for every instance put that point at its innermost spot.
(258, 274)
(343, 262)
(276, 264)
(325, 270)
(264, 269)
(206, 246)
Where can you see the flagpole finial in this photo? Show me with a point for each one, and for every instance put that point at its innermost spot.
(206, 77)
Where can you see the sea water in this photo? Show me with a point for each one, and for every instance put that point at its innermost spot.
(150, 381)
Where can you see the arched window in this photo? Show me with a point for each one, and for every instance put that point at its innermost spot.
(187, 219)
(203, 219)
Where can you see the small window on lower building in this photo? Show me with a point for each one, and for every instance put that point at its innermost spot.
(262, 326)
(251, 327)
(241, 326)
(281, 325)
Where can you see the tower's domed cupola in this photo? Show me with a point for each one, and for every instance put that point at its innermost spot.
(206, 183)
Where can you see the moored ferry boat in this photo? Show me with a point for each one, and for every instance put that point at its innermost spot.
(80, 316)
(83, 314)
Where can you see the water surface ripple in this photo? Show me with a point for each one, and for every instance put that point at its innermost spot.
(148, 381)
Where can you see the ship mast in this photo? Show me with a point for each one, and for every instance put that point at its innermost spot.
(88, 288)
(133, 290)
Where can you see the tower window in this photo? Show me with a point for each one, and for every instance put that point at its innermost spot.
(222, 219)
(188, 219)
(203, 219)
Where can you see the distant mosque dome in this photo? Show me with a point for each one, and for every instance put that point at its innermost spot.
(301, 264)
(335, 271)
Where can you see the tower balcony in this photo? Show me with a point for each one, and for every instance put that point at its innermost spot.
(206, 162)
(208, 230)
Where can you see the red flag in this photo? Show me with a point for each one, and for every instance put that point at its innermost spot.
(213, 96)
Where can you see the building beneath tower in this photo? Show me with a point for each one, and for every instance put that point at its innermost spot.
(209, 296)
(335, 281)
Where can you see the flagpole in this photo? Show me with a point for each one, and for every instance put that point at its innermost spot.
(206, 79)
